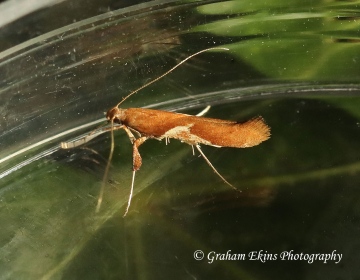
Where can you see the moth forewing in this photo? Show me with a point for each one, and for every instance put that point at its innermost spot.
(192, 129)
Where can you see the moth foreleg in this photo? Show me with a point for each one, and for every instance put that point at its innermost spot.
(131, 193)
(137, 161)
(88, 137)
(130, 135)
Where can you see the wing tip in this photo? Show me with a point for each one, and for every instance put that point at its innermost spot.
(261, 131)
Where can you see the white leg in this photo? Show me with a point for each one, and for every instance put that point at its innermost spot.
(88, 137)
(131, 194)
(213, 168)
(132, 140)
(203, 112)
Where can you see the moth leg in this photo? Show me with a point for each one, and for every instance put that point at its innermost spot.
(137, 162)
(132, 140)
(130, 135)
(137, 132)
(131, 193)
(92, 135)
(88, 137)
(74, 144)
(192, 147)
(212, 167)
(204, 111)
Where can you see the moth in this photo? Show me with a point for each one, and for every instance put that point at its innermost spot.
(162, 125)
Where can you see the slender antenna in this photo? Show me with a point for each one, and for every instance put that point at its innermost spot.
(106, 169)
(167, 72)
(213, 168)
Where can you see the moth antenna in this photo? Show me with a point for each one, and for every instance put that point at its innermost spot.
(131, 193)
(213, 168)
(106, 169)
(168, 72)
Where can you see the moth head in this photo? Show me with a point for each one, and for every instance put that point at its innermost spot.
(115, 115)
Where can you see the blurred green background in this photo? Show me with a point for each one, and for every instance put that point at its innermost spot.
(296, 63)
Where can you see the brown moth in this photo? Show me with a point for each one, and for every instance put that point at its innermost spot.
(193, 130)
